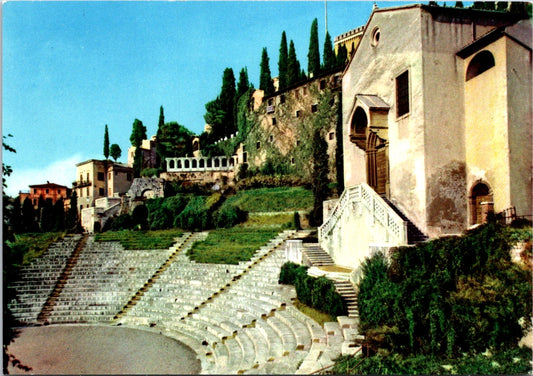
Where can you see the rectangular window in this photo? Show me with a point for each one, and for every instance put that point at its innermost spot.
(331, 135)
(270, 102)
(274, 122)
(298, 113)
(100, 176)
(402, 94)
(258, 145)
(271, 138)
(314, 107)
(282, 99)
(244, 157)
(101, 191)
(322, 84)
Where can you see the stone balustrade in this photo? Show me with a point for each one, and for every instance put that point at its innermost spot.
(197, 164)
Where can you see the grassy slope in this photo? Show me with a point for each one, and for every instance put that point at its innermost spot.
(160, 239)
(273, 199)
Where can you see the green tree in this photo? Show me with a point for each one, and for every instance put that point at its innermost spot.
(71, 221)
(319, 180)
(227, 102)
(265, 77)
(214, 116)
(6, 169)
(59, 215)
(243, 85)
(283, 62)
(174, 140)
(313, 56)
(459, 4)
(106, 143)
(138, 134)
(293, 66)
(28, 216)
(329, 53)
(115, 151)
(342, 56)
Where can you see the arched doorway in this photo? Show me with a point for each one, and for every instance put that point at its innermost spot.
(480, 203)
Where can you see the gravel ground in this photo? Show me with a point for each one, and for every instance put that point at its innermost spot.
(91, 349)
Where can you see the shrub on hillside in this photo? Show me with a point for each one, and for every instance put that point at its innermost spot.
(319, 293)
(448, 296)
(195, 216)
(262, 181)
(162, 211)
(229, 216)
(122, 222)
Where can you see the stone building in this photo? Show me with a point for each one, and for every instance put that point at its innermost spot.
(437, 122)
(46, 191)
(283, 123)
(149, 154)
(100, 178)
(349, 39)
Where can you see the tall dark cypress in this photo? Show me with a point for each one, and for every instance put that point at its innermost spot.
(283, 62)
(106, 143)
(329, 53)
(313, 56)
(293, 66)
(265, 78)
(342, 56)
(244, 84)
(227, 101)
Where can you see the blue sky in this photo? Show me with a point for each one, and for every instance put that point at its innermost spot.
(70, 68)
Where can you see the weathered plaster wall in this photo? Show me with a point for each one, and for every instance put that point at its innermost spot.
(373, 71)
(200, 176)
(443, 82)
(519, 65)
(486, 123)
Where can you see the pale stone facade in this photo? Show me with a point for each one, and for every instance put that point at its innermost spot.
(149, 153)
(432, 127)
(412, 145)
(100, 178)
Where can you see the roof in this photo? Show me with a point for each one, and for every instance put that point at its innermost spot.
(373, 102)
(48, 185)
(520, 32)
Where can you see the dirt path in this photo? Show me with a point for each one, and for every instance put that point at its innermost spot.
(77, 349)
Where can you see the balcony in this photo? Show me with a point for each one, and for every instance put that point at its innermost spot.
(270, 109)
(81, 183)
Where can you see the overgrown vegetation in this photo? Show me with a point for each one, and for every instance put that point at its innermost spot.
(161, 239)
(230, 246)
(318, 293)
(317, 315)
(446, 302)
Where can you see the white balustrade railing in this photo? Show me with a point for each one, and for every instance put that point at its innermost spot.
(197, 164)
(381, 212)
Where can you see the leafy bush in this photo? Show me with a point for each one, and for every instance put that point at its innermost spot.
(319, 293)
(276, 181)
(448, 296)
(162, 211)
(139, 217)
(195, 216)
(150, 172)
(229, 216)
(122, 222)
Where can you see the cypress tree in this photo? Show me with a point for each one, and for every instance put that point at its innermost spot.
(329, 53)
(161, 121)
(227, 102)
(59, 215)
(319, 183)
(283, 62)
(265, 78)
(342, 56)
(72, 215)
(293, 66)
(28, 216)
(243, 85)
(106, 143)
(138, 133)
(313, 56)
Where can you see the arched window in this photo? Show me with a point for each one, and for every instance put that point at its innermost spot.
(224, 162)
(194, 163)
(171, 164)
(217, 163)
(480, 203)
(202, 163)
(186, 163)
(482, 62)
(359, 121)
(179, 164)
(209, 163)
